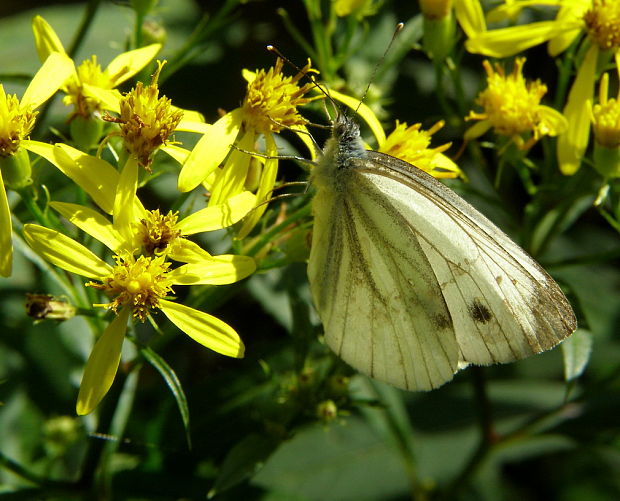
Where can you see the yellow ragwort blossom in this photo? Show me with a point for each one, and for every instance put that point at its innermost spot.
(146, 120)
(597, 22)
(606, 126)
(270, 105)
(17, 119)
(411, 144)
(512, 107)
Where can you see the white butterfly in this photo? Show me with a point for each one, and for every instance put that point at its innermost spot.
(410, 281)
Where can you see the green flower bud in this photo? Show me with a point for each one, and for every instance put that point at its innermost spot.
(86, 132)
(16, 170)
(607, 161)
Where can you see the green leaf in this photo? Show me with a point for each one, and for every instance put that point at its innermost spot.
(243, 461)
(174, 384)
(576, 351)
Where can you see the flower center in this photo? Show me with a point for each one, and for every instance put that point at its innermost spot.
(137, 283)
(271, 100)
(16, 122)
(146, 120)
(157, 231)
(603, 23)
(89, 72)
(510, 103)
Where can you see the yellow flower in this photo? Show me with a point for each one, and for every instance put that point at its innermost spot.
(17, 118)
(606, 126)
(512, 107)
(599, 21)
(135, 285)
(146, 120)
(270, 105)
(89, 73)
(411, 144)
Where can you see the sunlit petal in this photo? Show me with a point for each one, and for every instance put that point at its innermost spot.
(54, 72)
(218, 216)
(265, 188)
(470, 16)
(45, 39)
(6, 246)
(573, 143)
(108, 99)
(65, 252)
(92, 222)
(176, 152)
(218, 270)
(206, 329)
(124, 210)
(231, 181)
(102, 364)
(210, 151)
(186, 251)
(129, 63)
(95, 176)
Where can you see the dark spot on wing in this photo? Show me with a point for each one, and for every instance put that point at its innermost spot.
(442, 322)
(479, 312)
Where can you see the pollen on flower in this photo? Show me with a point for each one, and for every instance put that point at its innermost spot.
(271, 99)
(136, 283)
(157, 231)
(88, 72)
(16, 122)
(511, 104)
(146, 120)
(411, 144)
(602, 22)
(606, 117)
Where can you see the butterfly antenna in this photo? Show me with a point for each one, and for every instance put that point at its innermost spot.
(397, 30)
(272, 48)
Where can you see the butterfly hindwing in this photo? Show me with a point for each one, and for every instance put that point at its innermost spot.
(376, 292)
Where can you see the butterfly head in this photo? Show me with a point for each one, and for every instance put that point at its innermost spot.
(346, 139)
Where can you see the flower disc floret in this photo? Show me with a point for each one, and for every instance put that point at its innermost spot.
(602, 22)
(510, 103)
(88, 72)
(146, 120)
(157, 231)
(271, 100)
(16, 122)
(136, 283)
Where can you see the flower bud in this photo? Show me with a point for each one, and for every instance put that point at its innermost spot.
(16, 169)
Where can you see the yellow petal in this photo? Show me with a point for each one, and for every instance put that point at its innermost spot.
(191, 116)
(45, 39)
(477, 130)
(124, 213)
(511, 9)
(56, 69)
(231, 180)
(217, 270)
(102, 364)
(205, 329)
(573, 143)
(554, 122)
(65, 252)
(447, 168)
(363, 111)
(210, 151)
(193, 126)
(92, 222)
(569, 13)
(470, 17)
(265, 188)
(186, 251)
(219, 216)
(95, 176)
(176, 152)
(507, 42)
(109, 99)
(6, 231)
(129, 63)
